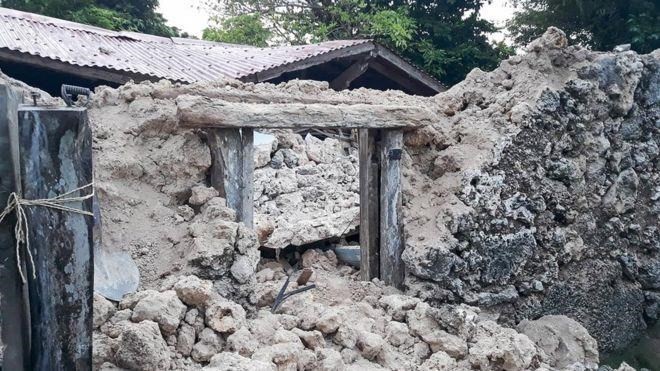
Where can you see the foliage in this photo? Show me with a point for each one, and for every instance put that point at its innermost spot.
(447, 37)
(241, 29)
(129, 15)
(599, 24)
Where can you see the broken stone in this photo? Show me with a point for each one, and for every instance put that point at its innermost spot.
(209, 344)
(563, 340)
(194, 291)
(369, 344)
(226, 361)
(141, 347)
(329, 321)
(330, 360)
(185, 339)
(224, 316)
(103, 309)
(242, 342)
(311, 339)
(201, 195)
(164, 308)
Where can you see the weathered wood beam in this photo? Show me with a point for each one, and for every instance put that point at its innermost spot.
(392, 269)
(407, 74)
(309, 62)
(355, 70)
(369, 205)
(203, 112)
(56, 157)
(232, 170)
(13, 297)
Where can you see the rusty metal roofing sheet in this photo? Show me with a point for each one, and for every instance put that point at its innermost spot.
(170, 58)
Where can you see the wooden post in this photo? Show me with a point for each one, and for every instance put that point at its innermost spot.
(13, 295)
(392, 270)
(369, 205)
(232, 171)
(56, 157)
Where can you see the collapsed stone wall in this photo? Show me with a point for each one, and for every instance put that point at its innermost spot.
(305, 190)
(150, 178)
(538, 191)
(343, 324)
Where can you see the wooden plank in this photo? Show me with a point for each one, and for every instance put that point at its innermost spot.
(232, 170)
(392, 270)
(277, 71)
(369, 205)
(410, 73)
(203, 112)
(355, 70)
(13, 295)
(56, 157)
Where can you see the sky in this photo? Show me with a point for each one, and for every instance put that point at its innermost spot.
(187, 15)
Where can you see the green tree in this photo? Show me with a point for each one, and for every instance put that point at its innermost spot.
(242, 29)
(447, 38)
(127, 15)
(599, 24)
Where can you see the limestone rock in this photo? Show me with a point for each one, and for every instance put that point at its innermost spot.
(194, 291)
(284, 355)
(224, 316)
(141, 347)
(243, 268)
(185, 339)
(227, 361)
(493, 345)
(103, 309)
(329, 321)
(330, 360)
(398, 305)
(563, 340)
(243, 342)
(164, 308)
(369, 344)
(311, 339)
(201, 195)
(209, 344)
(103, 348)
(439, 361)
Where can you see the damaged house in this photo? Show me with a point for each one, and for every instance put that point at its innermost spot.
(509, 223)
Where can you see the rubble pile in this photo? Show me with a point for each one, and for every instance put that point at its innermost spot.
(150, 179)
(343, 324)
(538, 190)
(306, 190)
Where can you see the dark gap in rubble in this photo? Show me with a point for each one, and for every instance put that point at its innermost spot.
(292, 254)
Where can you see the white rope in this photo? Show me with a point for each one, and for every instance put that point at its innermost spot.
(21, 229)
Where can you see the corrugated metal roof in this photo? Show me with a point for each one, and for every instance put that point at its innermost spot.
(170, 58)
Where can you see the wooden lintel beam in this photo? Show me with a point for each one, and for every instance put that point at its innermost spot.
(355, 70)
(203, 112)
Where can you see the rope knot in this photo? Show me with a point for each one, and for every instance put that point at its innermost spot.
(16, 204)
